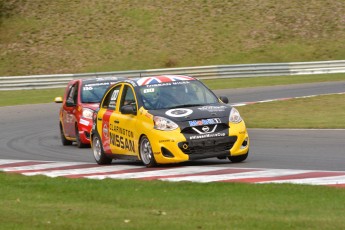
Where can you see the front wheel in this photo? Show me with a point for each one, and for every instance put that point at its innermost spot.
(237, 159)
(98, 152)
(78, 140)
(146, 153)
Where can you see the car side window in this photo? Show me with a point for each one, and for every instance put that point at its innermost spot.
(73, 94)
(111, 98)
(127, 96)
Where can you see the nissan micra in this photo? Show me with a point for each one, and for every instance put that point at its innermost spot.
(81, 99)
(166, 119)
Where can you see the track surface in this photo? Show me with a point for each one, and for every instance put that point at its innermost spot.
(30, 132)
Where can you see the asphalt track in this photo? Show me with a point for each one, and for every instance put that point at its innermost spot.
(30, 132)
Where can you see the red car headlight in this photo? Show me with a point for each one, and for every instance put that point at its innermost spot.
(87, 113)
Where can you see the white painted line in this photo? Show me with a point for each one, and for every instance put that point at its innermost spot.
(81, 171)
(311, 181)
(246, 175)
(5, 161)
(282, 99)
(42, 166)
(162, 172)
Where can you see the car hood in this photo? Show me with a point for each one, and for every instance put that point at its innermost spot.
(92, 106)
(195, 112)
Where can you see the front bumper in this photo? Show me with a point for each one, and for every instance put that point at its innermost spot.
(84, 128)
(172, 146)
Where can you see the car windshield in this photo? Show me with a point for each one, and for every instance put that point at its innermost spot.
(93, 92)
(176, 94)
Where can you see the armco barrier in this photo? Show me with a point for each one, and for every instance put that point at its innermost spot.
(202, 72)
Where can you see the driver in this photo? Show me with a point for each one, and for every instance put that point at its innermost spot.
(151, 97)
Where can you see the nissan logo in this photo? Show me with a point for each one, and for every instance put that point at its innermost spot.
(205, 129)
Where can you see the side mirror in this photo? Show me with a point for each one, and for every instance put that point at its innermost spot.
(224, 99)
(129, 109)
(58, 100)
(70, 103)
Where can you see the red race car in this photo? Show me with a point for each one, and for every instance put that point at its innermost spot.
(81, 99)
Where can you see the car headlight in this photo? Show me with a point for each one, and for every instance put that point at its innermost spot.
(87, 113)
(235, 116)
(162, 123)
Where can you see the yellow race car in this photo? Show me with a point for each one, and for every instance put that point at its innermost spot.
(166, 119)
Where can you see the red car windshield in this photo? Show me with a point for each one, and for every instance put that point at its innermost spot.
(93, 92)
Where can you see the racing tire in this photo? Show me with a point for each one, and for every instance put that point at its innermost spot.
(146, 154)
(98, 153)
(77, 138)
(64, 141)
(238, 159)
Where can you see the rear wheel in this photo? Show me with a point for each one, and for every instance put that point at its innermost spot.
(146, 153)
(237, 159)
(77, 137)
(98, 152)
(64, 141)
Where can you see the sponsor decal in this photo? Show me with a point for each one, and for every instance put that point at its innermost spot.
(84, 122)
(121, 131)
(163, 141)
(179, 112)
(131, 82)
(87, 88)
(168, 84)
(149, 115)
(113, 98)
(162, 79)
(149, 90)
(105, 130)
(90, 86)
(121, 142)
(121, 138)
(213, 108)
(208, 135)
(114, 95)
(210, 121)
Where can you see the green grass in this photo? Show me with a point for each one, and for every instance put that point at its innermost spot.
(45, 203)
(321, 112)
(230, 83)
(74, 36)
(21, 97)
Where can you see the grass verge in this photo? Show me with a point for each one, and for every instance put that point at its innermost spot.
(44, 203)
(231, 83)
(21, 97)
(322, 112)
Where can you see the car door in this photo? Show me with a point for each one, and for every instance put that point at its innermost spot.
(107, 109)
(123, 133)
(69, 109)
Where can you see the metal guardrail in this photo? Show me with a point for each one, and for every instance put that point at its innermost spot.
(202, 72)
